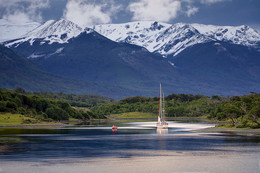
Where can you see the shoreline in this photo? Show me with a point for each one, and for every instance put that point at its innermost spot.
(58, 124)
(32, 125)
(235, 131)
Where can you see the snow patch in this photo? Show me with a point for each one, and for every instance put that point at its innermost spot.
(59, 50)
(33, 56)
(172, 64)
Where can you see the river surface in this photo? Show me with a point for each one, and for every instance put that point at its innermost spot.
(134, 147)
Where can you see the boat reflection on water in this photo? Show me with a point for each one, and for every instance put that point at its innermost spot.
(162, 131)
(114, 129)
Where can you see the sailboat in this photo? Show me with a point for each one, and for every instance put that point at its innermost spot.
(161, 124)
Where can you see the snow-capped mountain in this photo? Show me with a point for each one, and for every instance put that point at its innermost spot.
(10, 30)
(169, 39)
(207, 59)
(162, 38)
(242, 35)
(52, 31)
(91, 57)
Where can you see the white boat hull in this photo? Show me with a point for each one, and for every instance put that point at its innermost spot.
(162, 125)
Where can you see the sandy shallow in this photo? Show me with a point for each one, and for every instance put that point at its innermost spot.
(175, 162)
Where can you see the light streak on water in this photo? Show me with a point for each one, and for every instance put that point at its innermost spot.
(172, 126)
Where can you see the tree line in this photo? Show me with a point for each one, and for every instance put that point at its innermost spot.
(87, 100)
(240, 111)
(40, 107)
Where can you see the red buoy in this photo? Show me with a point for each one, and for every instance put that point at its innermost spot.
(114, 127)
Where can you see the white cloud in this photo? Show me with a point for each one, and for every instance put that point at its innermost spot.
(191, 11)
(17, 17)
(212, 1)
(84, 13)
(20, 11)
(190, 8)
(161, 10)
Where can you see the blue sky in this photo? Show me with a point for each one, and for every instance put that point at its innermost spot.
(90, 12)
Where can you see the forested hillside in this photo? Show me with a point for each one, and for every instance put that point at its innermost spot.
(87, 100)
(41, 108)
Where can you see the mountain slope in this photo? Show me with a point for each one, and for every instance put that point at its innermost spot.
(167, 39)
(17, 71)
(234, 69)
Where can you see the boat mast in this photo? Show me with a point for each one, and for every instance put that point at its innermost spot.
(163, 108)
(160, 105)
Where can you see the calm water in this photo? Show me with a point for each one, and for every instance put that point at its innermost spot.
(131, 140)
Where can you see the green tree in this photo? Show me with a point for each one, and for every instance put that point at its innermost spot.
(57, 113)
(233, 112)
(3, 106)
(254, 114)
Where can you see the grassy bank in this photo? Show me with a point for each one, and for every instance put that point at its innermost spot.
(144, 115)
(132, 115)
(8, 119)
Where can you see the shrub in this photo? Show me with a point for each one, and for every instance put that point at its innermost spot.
(57, 113)
(2, 106)
(21, 110)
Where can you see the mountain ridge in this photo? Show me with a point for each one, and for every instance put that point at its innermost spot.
(165, 39)
(168, 39)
